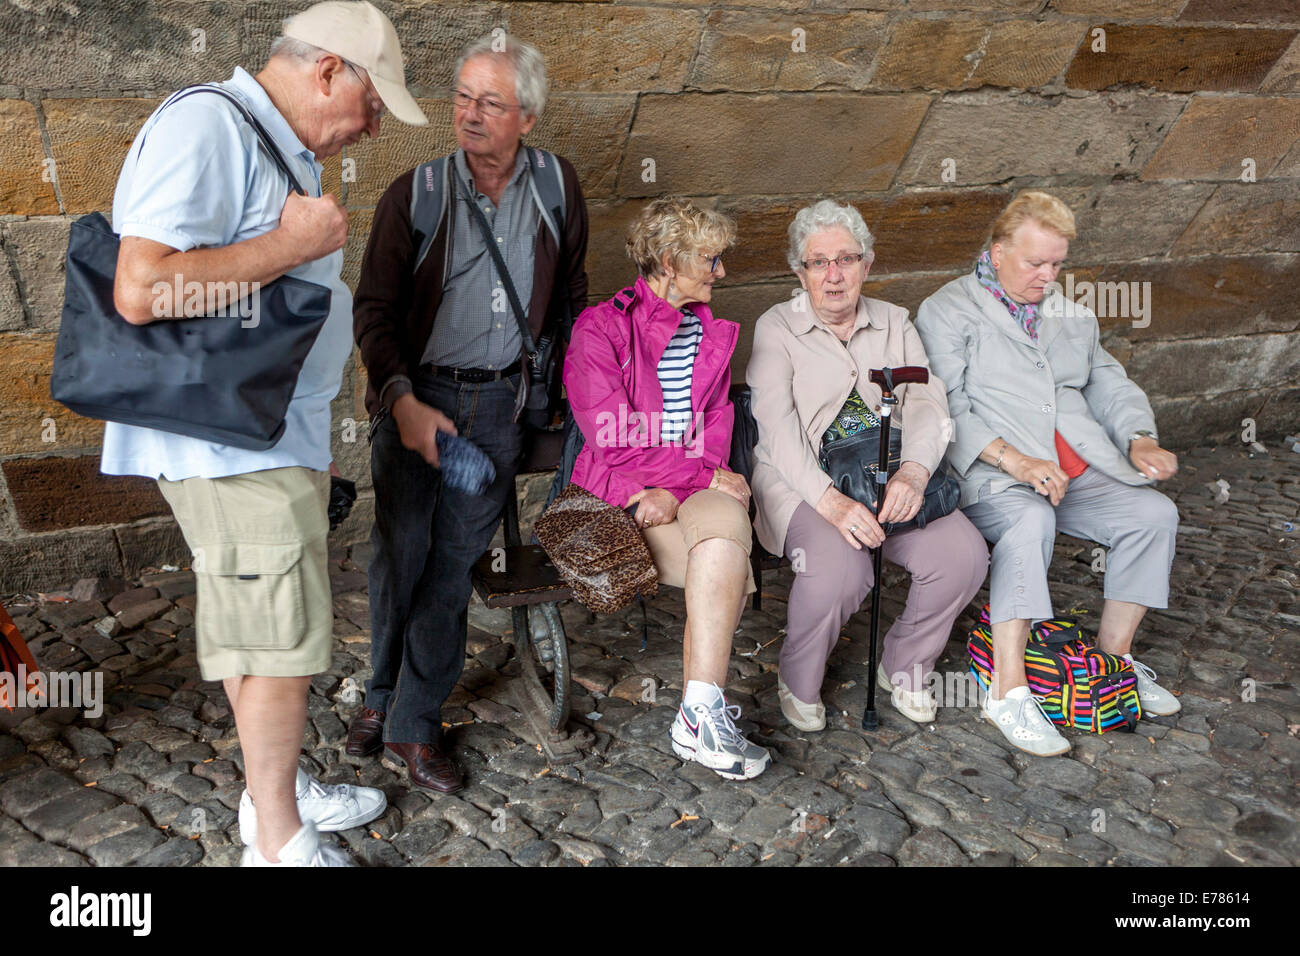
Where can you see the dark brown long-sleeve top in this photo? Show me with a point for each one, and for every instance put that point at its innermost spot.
(394, 309)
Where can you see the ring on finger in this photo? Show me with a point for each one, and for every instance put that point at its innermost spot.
(852, 528)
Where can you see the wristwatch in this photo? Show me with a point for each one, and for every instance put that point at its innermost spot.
(1141, 433)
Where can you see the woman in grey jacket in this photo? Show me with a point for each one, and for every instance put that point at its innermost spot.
(1049, 434)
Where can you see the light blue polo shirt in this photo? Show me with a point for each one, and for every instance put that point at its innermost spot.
(196, 177)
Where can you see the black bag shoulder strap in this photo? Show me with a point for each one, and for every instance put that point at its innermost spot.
(263, 136)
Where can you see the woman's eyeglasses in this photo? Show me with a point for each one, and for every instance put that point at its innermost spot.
(821, 263)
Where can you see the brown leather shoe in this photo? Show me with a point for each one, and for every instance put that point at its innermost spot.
(366, 733)
(428, 766)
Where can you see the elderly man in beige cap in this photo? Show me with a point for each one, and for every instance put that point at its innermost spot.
(200, 200)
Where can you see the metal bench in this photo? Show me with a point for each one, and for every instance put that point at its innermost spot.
(522, 578)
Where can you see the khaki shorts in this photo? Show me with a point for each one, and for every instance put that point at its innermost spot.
(264, 604)
(705, 514)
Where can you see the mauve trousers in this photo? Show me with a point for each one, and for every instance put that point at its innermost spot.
(947, 560)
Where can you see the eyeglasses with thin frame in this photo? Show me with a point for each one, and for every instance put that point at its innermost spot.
(490, 106)
(714, 261)
(376, 104)
(821, 263)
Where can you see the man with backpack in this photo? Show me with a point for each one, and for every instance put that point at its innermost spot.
(474, 267)
(200, 201)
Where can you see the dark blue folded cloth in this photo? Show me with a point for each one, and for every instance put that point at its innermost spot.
(464, 465)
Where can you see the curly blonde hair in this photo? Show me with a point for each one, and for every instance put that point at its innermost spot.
(680, 228)
(1033, 206)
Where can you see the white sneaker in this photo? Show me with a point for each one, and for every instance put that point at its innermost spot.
(917, 705)
(803, 716)
(303, 849)
(1155, 700)
(1023, 723)
(338, 807)
(708, 735)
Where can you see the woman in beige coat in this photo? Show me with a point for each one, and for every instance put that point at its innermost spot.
(809, 373)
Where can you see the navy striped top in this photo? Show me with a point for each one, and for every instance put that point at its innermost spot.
(675, 369)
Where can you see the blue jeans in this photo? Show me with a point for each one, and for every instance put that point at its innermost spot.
(425, 541)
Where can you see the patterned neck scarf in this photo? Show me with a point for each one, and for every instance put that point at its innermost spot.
(1026, 314)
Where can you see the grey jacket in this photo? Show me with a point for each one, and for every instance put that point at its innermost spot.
(1003, 385)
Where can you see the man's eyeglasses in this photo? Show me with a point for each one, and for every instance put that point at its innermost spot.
(489, 105)
(821, 263)
(376, 104)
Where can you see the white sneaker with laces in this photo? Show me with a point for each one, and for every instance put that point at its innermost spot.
(1155, 700)
(917, 705)
(708, 735)
(801, 715)
(338, 807)
(303, 849)
(1023, 723)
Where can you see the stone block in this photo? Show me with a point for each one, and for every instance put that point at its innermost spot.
(90, 138)
(1215, 134)
(588, 131)
(40, 246)
(1178, 59)
(119, 44)
(751, 50)
(1120, 9)
(1244, 218)
(56, 492)
(1242, 11)
(1207, 366)
(23, 189)
(48, 560)
(151, 544)
(1095, 136)
(1108, 230)
(694, 139)
(968, 52)
(12, 316)
(1207, 297)
(1285, 75)
(603, 48)
(25, 403)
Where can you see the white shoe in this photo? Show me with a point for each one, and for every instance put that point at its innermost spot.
(1023, 723)
(803, 716)
(338, 807)
(303, 849)
(708, 735)
(917, 705)
(1155, 700)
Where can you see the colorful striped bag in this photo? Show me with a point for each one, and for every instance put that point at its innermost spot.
(1083, 687)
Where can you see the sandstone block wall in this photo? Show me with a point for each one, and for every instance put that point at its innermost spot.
(1169, 126)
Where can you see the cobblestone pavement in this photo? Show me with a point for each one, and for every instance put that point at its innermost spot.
(156, 778)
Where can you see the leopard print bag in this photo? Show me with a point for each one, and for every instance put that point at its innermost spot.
(597, 549)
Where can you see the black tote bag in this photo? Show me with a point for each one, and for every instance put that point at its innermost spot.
(221, 378)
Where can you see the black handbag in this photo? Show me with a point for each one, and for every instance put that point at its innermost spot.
(852, 463)
(219, 377)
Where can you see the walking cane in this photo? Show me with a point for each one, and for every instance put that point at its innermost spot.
(887, 379)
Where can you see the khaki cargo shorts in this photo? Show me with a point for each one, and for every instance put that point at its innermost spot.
(264, 605)
(706, 514)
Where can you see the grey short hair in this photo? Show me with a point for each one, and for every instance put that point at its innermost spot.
(824, 214)
(295, 49)
(302, 51)
(530, 69)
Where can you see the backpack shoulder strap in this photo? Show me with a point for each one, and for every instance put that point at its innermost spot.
(428, 203)
(548, 189)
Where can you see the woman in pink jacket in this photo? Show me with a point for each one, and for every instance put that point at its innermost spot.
(647, 376)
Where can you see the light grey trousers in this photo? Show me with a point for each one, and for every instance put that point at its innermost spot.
(1137, 525)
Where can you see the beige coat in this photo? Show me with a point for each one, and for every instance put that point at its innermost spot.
(1003, 385)
(801, 373)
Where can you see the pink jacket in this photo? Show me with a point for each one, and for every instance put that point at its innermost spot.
(612, 381)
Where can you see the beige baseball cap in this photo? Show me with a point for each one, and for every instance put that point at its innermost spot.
(361, 34)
